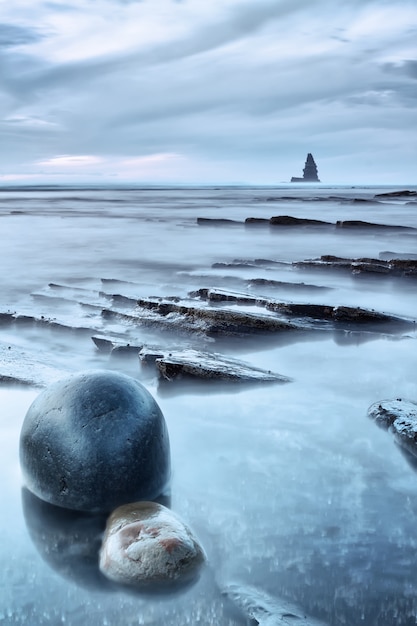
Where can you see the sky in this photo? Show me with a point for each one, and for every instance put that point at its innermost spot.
(207, 92)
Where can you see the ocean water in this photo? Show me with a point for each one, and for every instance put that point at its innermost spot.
(294, 493)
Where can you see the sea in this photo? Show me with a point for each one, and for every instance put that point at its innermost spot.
(296, 495)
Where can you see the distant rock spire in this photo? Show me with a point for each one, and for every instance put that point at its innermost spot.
(310, 174)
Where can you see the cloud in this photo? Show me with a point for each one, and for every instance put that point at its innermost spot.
(404, 68)
(13, 35)
(156, 166)
(66, 161)
(213, 83)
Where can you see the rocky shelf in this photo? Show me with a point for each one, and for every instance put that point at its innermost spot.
(399, 417)
(405, 267)
(288, 221)
(183, 364)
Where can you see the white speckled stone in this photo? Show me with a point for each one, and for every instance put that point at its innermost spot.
(94, 441)
(146, 544)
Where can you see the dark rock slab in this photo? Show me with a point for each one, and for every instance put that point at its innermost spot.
(367, 201)
(209, 221)
(342, 315)
(214, 321)
(115, 347)
(256, 221)
(280, 284)
(399, 417)
(359, 224)
(93, 441)
(287, 220)
(405, 193)
(393, 267)
(179, 364)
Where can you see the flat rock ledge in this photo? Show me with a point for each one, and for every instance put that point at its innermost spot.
(147, 546)
(398, 267)
(180, 364)
(18, 367)
(286, 221)
(310, 313)
(399, 417)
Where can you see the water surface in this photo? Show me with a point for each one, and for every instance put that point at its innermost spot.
(290, 487)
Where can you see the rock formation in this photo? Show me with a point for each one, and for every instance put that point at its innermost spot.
(399, 417)
(309, 172)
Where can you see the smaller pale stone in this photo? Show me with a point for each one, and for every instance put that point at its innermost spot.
(146, 544)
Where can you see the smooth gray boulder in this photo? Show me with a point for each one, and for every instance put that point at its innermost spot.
(94, 441)
(147, 546)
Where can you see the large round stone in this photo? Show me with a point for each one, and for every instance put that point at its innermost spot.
(94, 441)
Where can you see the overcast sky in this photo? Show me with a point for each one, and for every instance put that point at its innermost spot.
(208, 91)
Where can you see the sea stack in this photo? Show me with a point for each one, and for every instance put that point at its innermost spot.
(309, 172)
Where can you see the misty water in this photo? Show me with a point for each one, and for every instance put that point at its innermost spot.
(291, 489)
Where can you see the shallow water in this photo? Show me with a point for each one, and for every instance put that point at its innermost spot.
(290, 487)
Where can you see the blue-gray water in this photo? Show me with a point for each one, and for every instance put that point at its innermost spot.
(291, 489)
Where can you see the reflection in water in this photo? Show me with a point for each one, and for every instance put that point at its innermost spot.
(69, 542)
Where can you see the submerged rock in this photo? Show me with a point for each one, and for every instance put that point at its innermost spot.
(214, 221)
(266, 610)
(147, 546)
(362, 224)
(400, 418)
(93, 441)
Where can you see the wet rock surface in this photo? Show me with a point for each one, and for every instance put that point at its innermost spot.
(362, 224)
(399, 417)
(93, 441)
(397, 194)
(290, 221)
(266, 610)
(19, 367)
(306, 314)
(402, 267)
(146, 545)
(179, 364)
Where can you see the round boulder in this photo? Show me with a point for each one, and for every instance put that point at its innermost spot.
(147, 546)
(93, 441)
